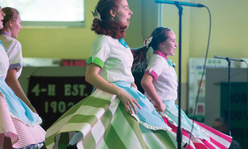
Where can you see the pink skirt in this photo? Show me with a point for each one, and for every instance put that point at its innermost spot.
(217, 140)
(21, 135)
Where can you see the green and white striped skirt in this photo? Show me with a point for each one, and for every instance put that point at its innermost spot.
(100, 121)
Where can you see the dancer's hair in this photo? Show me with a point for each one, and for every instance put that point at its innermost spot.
(159, 35)
(105, 26)
(10, 14)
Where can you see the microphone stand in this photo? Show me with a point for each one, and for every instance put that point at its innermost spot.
(179, 129)
(229, 87)
(180, 13)
(229, 95)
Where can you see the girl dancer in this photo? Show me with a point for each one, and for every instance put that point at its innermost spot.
(160, 85)
(19, 125)
(116, 115)
(8, 35)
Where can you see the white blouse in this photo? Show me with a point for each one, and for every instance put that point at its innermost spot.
(4, 62)
(114, 59)
(165, 81)
(14, 52)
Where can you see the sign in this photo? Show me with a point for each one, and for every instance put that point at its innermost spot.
(195, 75)
(238, 111)
(81, 63)
(52, 96)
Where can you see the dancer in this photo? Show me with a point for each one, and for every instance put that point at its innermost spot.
(160, 85)
(116, 115)
(19, 127)
(8, 35)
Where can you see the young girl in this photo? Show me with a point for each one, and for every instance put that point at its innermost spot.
(19, 126)
(8, 35)
(116, 115)
(160, 85)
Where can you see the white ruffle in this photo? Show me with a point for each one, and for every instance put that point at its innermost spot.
(189, 131)
(150, 126)
(19, 119)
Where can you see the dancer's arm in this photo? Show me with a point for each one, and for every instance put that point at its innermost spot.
(149, 88)
(133, 85)
(97, 81)
(14, 84)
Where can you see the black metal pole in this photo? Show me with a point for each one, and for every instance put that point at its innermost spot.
(229, 95)
(179, 129)
(180, 8)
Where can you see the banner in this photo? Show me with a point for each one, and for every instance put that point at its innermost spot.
(52, 96)
(238, 109)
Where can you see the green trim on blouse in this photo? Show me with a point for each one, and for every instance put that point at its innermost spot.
(96, 60)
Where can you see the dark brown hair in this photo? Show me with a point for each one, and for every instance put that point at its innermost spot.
(10, 14)
(159, 35)
(106, 26)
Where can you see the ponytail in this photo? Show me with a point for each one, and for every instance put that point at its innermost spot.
(139, 55)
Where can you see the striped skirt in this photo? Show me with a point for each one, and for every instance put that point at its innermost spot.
(100, 121)
(21, 135)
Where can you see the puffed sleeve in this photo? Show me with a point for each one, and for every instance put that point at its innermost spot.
(156, 66)
(99, 51)
(15, 55)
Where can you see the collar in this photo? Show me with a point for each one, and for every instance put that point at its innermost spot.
(160, 53)
(169, 61)
(122, 41)
(5, 33)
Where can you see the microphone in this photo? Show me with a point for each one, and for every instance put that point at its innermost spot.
(179, 3)
(228, 58)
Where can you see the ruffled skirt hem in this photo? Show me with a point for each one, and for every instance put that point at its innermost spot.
(20, 134)
(202, 136)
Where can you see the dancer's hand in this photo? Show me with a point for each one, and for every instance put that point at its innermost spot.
(128, 101)
(160, 106)
(134, 85)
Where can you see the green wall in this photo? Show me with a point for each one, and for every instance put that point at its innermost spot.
(229, 29)
(228, 38)
(64, 43)
(75, 43)
(229, 35)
